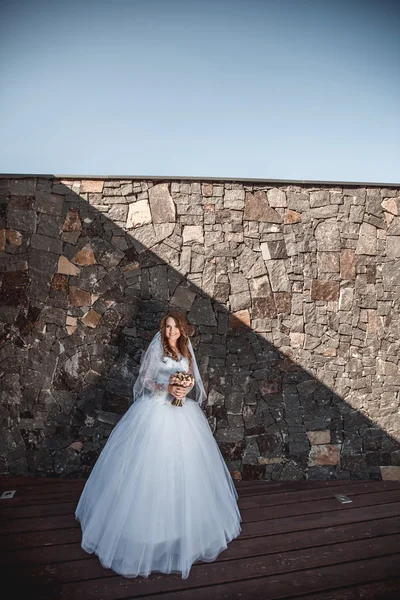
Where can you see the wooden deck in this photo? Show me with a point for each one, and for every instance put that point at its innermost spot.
(298, 541)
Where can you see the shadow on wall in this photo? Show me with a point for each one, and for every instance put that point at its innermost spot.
(292, 295)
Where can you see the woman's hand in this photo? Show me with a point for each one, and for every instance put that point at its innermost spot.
(177, 391)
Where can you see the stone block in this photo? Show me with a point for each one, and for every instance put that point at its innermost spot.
(79, 297)
(251, 452)
(84, 257)
(292, 216)
(270, 444)
(230, 434)
(276, 198)
(59, 282)
(283, 302)
(234, 402)
(161, 204)
(393, 246)
(91, 318)
(324, 290)
(119, 212)
(14, 288)
(263, 307)
(239, 321)
(183, 298)
(239, 301)
(270, 386)
(22, 203)
(319, 198)
(278, 276)
(138, 215)
(328, 262)
(390, 473)
(193, 234)
(94, 186)
(66, 267)
(327, 236)
(273, 460)
(163, 230)
(367, 240)
(323, 212)
(324, 454)
(238, 283)
(257, 208)
(260, 287)
(273, 250)
(234, 199)
(346, 298)
(391, 274)
(319, 437)
(51, 314)
(48, 244)
(51, 226)
(394, 227)
(296, 339)
(207, 190)
(202, 312)
(50, 204)
(215, 398)
(22, 220)
(14, 238)
(391, 205)
(22, 187)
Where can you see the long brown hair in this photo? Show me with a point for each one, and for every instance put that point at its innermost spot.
(182, 341)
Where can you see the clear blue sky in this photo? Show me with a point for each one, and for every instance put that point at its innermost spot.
(281, 89)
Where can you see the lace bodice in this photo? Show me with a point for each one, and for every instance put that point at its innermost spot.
(170, 366)
(158, 388)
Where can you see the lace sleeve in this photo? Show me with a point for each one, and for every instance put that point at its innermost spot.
(160, 388)
(150, 383)
(149, 380)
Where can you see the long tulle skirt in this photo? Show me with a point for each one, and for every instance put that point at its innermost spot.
(160, 496)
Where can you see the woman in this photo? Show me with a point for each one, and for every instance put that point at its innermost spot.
(160, 495)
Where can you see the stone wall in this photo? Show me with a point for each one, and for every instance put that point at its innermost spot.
(293, 292)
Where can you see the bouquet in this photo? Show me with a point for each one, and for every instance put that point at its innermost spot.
(183, 379)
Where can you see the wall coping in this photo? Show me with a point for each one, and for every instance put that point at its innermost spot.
(187, 178)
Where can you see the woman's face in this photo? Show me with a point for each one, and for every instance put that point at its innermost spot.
(172, 331)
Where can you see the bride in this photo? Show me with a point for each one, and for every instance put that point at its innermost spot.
(160, 495)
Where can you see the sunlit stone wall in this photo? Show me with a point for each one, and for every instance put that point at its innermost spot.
(293, 292)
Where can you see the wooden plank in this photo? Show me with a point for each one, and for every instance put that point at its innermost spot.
(24, 525)
(345, 485)
(238, 548)
(29, 480)
(17, 507)
(292, 585)
(36, 511)
(234, 570)
(293, 540)
(49, 486)
(295, 496)
(301, 483)
(59, 535)
(29, 485)
(281, 574)
(310, 507)
(39, 499)
(48, 537)
(382, 590)
(53, 516)
(29, 490)
(313, 521)
(24, 588)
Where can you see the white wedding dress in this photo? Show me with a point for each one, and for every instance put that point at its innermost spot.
(160, 495)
